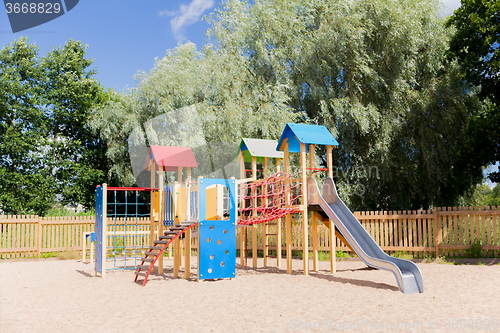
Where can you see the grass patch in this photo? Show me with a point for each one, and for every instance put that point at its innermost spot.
(403, 255)
(475, 250)
(442, 260)
(64, 255)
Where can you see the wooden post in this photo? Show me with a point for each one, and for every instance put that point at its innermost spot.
(179, 174)
(265, 228)
(177, 256)
(329, 161)
(160, 213)
(333, 253)
(104, 245)
(438, 239)
(332, 236)
(187, 254)
(278, 225)
(198, 252)
(314, 226)
(39, 237)
(314, 215)
(254, 213)
(152, 210)
(311, 158)
(288, 217)
(305, 226)
(242, 194)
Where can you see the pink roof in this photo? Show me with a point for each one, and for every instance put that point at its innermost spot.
(170, 158)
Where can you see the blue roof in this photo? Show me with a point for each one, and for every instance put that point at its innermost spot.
(307, 134)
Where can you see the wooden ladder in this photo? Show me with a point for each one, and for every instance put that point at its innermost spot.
(156, 251)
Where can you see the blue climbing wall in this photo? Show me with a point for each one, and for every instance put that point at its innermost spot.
(98, 229)
(217, 239)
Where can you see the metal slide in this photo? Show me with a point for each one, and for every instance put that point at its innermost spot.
(407, 274)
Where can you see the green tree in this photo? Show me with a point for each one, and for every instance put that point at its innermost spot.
(375, 73)
(46, 146)
(75, 154)
(494, 196)
(476, 45)
(230, 101)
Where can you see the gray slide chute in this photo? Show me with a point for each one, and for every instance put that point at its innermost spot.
(407, 274)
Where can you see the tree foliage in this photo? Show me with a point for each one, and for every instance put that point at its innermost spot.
(230, 104)
(476, 45)
(374, 72)
(46, 148)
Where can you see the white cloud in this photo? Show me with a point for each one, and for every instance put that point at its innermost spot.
(187, 15)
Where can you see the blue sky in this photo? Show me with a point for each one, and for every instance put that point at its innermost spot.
(125, 36)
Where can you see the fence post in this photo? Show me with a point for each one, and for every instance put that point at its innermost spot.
(39, 237)
(437, 230)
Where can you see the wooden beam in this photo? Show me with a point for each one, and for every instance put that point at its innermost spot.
(187, 254)
(265, 231)
(254, 213)
(242, 205)
(160, 214)
(333, 251)
(305, 229)
(105, 228)
(264, 167)
(311, 158)
(288, 217)
(152, 210)
(314, 226)
(278, 224)
(177, 256)
(179, 174)
(329, 161)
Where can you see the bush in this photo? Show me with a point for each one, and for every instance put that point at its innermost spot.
(475, 250)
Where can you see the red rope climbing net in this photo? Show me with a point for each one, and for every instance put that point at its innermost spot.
(269, 199)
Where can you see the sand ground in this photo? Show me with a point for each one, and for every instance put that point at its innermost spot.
(64, 296)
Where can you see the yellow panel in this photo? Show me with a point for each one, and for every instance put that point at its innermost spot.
(180, 213)
(211, 203)
(157, 205)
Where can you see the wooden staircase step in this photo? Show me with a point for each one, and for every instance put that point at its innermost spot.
(177, 228)
(163, 242)
(166, 237)
(154, 254)
(144, 267)
(182, 225)
(170, 233)
(141, 273)
(148, 259)
(156, 248)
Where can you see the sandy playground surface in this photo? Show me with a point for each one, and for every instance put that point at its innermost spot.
(64, 296)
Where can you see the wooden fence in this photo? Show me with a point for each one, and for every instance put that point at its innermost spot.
(442, 231)
(31, 236)
(433, 233)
